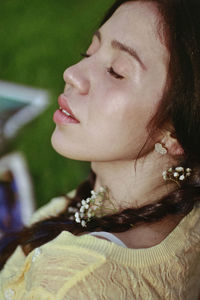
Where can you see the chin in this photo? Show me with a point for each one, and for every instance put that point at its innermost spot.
(59, 145)
(65, 149)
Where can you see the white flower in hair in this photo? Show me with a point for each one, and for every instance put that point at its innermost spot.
(92, 206)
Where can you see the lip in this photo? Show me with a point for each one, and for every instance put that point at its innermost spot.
(62, 101)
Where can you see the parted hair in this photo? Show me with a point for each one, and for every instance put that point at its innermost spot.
(179, 106)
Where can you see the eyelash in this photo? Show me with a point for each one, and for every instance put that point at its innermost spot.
(85, 55)
(114, 74)
(110, 69)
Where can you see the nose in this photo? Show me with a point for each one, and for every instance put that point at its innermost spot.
(76, 77)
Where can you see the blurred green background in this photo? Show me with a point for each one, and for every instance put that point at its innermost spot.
(38, 40)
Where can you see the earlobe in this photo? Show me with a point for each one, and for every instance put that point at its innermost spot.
(173, 146)
(176, 149)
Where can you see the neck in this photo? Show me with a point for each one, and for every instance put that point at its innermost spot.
(131, 183)
(134, 184)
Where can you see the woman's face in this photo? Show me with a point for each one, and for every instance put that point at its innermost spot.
(115, 90)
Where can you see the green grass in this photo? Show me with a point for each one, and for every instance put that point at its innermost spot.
(39, 39)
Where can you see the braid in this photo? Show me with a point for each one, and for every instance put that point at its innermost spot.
(174, 204)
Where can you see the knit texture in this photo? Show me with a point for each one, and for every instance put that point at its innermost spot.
(88, 268)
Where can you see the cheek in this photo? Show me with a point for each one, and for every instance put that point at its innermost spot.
(114, 102)
(128, 107)
(120, 123)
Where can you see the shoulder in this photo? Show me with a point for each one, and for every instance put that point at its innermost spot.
(59, 267)
(52, 208)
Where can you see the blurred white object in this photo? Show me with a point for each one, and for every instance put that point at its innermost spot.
(19, 105)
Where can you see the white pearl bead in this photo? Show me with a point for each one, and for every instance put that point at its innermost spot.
(176, 174)
(36, 253)
(9, 294)
(182, 177)
(179, 169)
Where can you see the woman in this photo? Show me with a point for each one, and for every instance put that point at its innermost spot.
(131, 107)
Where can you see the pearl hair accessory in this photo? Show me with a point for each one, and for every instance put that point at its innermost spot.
(177, 174)
(90, 207)
(160, 149)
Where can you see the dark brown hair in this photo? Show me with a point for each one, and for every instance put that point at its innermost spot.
(180, 106)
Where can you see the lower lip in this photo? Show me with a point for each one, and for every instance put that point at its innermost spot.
(60, 118)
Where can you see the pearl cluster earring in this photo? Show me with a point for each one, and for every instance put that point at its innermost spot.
(160, 149)
(177, 174)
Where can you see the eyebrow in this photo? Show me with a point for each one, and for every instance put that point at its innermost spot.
(118, 45)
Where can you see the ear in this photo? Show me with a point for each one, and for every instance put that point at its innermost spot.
(172, 145)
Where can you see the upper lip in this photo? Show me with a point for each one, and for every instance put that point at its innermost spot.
(62, 101)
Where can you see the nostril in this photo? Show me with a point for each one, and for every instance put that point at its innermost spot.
(84, 87)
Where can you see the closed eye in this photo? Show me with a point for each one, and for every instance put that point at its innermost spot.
(114, 74)
(110, 70)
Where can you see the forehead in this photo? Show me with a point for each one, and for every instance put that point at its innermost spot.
(138, 24)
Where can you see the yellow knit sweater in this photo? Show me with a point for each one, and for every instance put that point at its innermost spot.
(87, 268)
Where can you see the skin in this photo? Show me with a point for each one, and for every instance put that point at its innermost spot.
(114, 107)
(114, 112)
